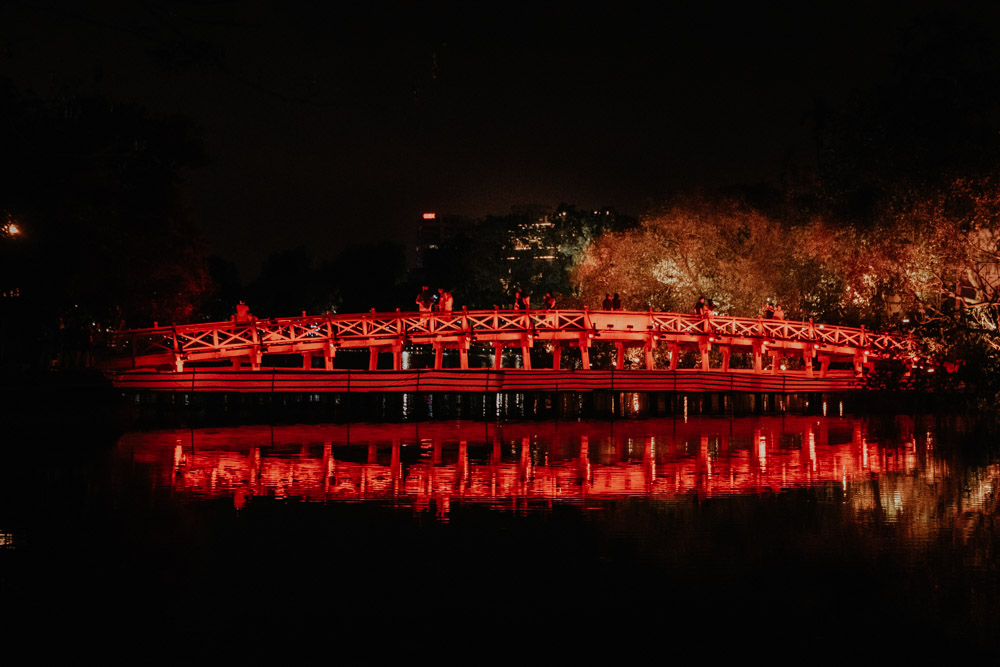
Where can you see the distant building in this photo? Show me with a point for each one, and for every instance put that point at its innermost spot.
(533, 240)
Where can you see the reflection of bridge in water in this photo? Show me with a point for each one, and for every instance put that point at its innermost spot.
(511, 465)
(187, 357)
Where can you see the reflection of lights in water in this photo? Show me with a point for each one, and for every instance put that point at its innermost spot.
(841, 408)
(444, 468)
(430, 405)
(6, 539)
(824, 407)
(812, 449)
(406, 404)
(685, 409)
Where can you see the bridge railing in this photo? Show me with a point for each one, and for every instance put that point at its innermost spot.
(385, 328)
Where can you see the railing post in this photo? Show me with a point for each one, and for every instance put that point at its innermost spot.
(255, 353)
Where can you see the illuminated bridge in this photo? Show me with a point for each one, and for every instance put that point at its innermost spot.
(775, 355)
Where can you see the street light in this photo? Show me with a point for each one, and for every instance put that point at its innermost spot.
(11, 228)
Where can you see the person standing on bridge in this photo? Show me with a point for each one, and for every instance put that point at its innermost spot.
(550, 301)
(607, 303)
(424, 300)
(445, 300)
(242, 313)
(616, 303)
(700, 307)
(779, 313)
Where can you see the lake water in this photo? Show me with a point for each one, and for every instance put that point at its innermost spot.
(468, 540)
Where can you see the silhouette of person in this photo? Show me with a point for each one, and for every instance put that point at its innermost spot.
(243, 312)
(607, 304)
(445, 300)
(616, 303)
(424, 300)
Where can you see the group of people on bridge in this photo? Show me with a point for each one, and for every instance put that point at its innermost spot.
(522, 300)
(705, 308)
(440, 301)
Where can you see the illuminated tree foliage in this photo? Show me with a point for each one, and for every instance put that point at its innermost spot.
(740, 258)
(944, 251)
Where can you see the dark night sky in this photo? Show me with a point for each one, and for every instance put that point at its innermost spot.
(330, 126)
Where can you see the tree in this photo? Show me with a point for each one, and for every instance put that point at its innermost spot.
(95, 187)
(724, 250)
(947, 257)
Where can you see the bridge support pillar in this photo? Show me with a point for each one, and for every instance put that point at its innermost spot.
(526, 342)
(373, 358)
(179, 363)
(438, 356)
(397, 355)
(726, 351)
(704, 347)
(674, 353)
(619, 355)
(497, 355)
(824, 364)
(463, 355)
(307, 359)
(236, 363)
(758, 356)
(255, 356)
(648, 349)
(585, 350)
(807, 359)
(329, 352)
(556, 355)
(776, 357)
(859, 361)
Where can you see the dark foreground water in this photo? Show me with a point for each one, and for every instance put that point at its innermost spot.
(457, 542)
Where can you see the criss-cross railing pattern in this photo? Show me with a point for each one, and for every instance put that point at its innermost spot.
(377, 329)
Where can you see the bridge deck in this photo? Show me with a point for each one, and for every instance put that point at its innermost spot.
(281, 380)
(178, 347)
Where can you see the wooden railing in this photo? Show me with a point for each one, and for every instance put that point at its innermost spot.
(324, 334)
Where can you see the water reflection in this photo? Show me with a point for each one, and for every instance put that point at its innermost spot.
(526, 465)
(792, 531)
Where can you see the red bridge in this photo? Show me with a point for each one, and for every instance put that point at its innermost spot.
(185, 349)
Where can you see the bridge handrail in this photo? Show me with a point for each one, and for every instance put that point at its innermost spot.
(207, 336)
